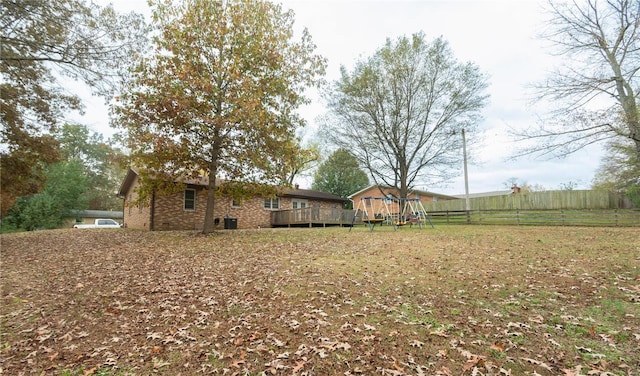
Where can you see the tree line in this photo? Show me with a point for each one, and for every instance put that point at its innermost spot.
(214, 88)
(86, 175)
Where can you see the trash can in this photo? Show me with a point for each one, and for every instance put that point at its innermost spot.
(230, 223)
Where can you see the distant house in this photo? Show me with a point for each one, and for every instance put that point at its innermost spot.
(378, 191)
(185, 210)
(88, 216)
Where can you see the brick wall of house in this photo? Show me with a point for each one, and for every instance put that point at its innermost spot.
(171, 215)
(135, 216)
(287, 203)
(169, 212)
(251, 213)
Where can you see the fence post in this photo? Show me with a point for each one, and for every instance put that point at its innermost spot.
(563, 217)
(468, 216)
(615, 215)
(518, 217)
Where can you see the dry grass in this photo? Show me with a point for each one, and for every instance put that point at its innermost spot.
(451, 301)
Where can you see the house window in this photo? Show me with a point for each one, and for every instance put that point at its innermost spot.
(272, 203)
(189, 199)
(236, 203)
(299, 204)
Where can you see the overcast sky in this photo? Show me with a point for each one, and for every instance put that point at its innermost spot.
(499, 36)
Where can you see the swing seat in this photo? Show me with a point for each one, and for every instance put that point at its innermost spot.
(399, 223)
(373, 220)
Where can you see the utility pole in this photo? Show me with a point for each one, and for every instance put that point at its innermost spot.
(466, 178)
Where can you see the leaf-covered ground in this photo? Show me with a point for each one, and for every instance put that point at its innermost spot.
(447, 301)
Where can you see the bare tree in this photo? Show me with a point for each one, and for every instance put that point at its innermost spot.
(596, 90)
(400, 112)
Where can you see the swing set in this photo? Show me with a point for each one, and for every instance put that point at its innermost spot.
(396, 212)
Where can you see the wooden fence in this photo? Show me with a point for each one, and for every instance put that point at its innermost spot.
(312, 217)
(563, 208)
(546, 200)
(600, 217)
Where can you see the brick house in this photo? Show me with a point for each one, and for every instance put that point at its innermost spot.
(185, 210)
(378, 191)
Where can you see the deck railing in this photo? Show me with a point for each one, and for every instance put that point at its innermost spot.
(312, 217)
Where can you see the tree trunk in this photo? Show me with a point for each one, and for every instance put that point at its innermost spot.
(209, 220)
(637, 142)
(404, 175)
(404, 190)
(627, 100)
(633, 123)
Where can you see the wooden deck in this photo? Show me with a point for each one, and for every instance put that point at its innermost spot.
(312, 217)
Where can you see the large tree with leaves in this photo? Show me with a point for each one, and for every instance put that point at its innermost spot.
(400, 111)
(64, 191)
(299, 162)
(219, 97)
(103, 164)
(43, 41)
(619, 170)
(596, 89)
(87, 178)
(340, 175)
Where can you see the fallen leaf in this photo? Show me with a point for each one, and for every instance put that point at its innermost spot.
(441, 332)
(444, 371)
(538, 363)
(237, 363)
(159, 363)
(396, 365)
(343, 346)
(298, 367)
(608, 339)
(498, 346)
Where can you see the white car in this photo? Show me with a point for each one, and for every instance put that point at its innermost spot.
(101, 223)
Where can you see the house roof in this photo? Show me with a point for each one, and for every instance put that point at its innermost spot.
(204, 181)
(97, 214)
(311, 194)
(412, 191)
(130, 178)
